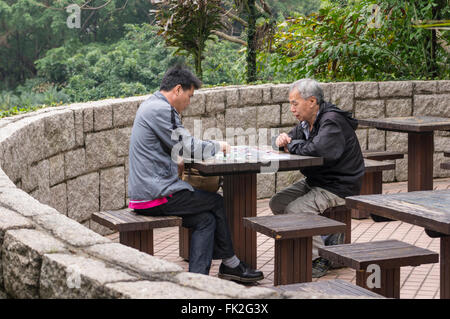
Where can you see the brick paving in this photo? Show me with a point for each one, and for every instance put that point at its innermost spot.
(420, 282)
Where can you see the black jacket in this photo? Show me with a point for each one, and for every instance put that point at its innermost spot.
(333, 138)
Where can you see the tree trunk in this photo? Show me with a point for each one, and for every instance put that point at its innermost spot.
(251, 40)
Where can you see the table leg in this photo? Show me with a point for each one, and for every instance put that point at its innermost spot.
(445, 267)
(239, 193)
(420, 161)
(293, 261)
(139, 239)
(389, 282)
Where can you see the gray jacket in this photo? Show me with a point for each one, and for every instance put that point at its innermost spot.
(157, 131)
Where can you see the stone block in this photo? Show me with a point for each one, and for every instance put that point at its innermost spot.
(389, 176)
(241, 118)
(432, 105)
(11, 220)
(396, 141)
(396, 88)
(88, 119)
(100, 229)
(83, 197)
(101, 150)
(439, 158)
(5, 182)
(369, 109)
(424, 87)
(56, 169)
(112, 188)
(69, 230)
(155, 290)
(59, 132)
(232, 97)
(250, 95)
(441, 143)
(280, 93)
(327, 89)
(75, 163)
(287, 118)
(342, 95)
(401, 169)
(34, 142)
(268, 116)
(79, 126)
(376, 140)
(22, 258)
(123, 136)
(215, 101)
(23, 203)
(443, 86)
(36, 175)
(366, 90)
(265, 185)
(361, 134)
(58, 198)
(227, 288)
(124, 113)
(398, 107)
(267, 94)
(103, 117)
(147, 266)
(197, 105)
(65, 276)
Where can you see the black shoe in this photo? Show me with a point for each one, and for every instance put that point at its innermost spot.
(320, 267)
(334, 239)
(241, 273)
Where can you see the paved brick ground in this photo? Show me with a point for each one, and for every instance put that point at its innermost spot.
(420, 282)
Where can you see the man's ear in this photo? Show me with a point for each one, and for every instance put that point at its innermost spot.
(313, 100)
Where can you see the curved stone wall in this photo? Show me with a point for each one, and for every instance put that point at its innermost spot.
(59, 165)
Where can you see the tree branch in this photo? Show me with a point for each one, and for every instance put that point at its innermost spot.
(229, 37)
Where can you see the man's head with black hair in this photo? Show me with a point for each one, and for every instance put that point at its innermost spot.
(179, 74)
(178, 85)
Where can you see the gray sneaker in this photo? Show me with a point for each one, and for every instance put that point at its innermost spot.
(320, 267)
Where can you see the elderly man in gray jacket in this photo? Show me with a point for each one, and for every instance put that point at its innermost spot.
(157, 139)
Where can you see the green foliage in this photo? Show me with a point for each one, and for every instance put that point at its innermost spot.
(131, 66)
(288, 8)
(357, 41)
(187, 25)
(28, 28)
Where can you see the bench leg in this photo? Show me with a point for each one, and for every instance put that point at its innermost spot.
(343, 217)
(445, 267)
(420, 161)
(184, 241)
(293, 261)
(140, 239)
(372, 184)
(389, 282)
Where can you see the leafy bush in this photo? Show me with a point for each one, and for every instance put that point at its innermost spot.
(349, 42)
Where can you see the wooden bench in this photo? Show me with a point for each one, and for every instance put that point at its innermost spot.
(445, 165)
(383, 155)
(372, 181)
(293, 242)
(389, 255)
(333, 288)
(339, 213)
(135, 230)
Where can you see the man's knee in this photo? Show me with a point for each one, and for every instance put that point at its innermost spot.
(276, 205)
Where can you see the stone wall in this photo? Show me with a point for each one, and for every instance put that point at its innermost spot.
(73, 161)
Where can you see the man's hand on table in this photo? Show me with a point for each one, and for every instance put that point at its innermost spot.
(283, 140)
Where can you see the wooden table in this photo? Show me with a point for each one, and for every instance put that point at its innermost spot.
(420, 131)
(428, 209)
(239, 192)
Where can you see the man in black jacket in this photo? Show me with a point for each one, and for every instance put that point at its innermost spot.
(324, 130)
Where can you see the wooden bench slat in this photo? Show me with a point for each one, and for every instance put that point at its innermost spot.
(388, 254)
(294, 225)
(377, 166)
(334, 287)
(447, 154)
(445, 165)
(383, 155)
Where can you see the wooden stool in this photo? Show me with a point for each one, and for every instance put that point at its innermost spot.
(372, 181)
(341, 214)
(389, 255)
(382, 155)
(184, 241)
(293, 242)
(135, 230)
(334, 287)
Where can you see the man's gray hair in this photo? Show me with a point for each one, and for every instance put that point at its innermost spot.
(308, 88)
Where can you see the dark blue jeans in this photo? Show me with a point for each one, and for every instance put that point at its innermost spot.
(204, 212)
